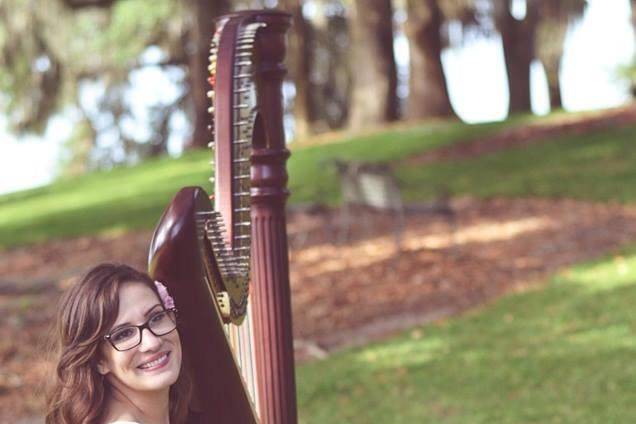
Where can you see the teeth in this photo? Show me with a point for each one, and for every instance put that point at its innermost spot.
(155, 362)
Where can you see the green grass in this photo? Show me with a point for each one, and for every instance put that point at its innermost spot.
(131, 198)
(312, 179)
(563, 353)
(119, 200)
(601, 166)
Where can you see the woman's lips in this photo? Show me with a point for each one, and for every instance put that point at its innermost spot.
(159, 361)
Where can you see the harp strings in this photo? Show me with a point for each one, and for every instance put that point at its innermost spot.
(242, 110)
(240, 337)
(241, 340)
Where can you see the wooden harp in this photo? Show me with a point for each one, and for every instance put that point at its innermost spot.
(225, 261)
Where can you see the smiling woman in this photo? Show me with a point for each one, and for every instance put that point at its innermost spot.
(120, 353)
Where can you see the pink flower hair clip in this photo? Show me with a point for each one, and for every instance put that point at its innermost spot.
(166, 299)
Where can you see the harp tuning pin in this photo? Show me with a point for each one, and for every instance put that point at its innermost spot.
(223, 300)
(211, 109)
(211, 143)
(210, 94)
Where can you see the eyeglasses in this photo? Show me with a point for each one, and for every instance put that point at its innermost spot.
(159, 324)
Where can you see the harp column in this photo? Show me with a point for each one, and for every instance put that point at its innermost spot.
(270, 264)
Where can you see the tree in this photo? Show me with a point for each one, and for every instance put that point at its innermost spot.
(331, 73)
(428, 92)
(32, 69)
(555, 18)
(550, 39)
(300, 59)
(629, 71)
(202, 14)
(374, 96)
(518, 38)
(539, 34)
(48, 49)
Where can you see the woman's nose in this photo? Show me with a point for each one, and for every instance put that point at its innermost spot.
(149, 341)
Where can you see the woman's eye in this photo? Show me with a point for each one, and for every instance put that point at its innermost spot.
(123, 334)
(158, 317)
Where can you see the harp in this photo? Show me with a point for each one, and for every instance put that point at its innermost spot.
(225, 261)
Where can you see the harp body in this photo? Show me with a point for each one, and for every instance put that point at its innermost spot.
(235, 310)
(178, 258)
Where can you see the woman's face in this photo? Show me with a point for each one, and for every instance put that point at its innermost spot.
(155, 363)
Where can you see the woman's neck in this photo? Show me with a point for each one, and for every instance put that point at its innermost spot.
(151, 407)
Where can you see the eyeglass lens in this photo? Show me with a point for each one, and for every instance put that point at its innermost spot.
(159, 324)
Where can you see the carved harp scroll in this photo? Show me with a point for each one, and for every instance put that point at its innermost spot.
(226, 261)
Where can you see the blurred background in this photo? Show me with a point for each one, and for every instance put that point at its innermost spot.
(461, 222)
(89, 84)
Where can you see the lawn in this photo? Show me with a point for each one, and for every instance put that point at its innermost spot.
(596, 167)
(561, 353)
(129, 198)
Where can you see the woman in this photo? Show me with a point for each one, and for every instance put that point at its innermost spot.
(120, 352)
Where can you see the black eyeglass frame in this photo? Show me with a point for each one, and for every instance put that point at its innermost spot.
(141, 327)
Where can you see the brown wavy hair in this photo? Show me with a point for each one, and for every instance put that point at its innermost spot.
(86, 313)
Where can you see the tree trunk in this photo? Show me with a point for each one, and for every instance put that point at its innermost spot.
(428, 92)
(203, 13)
(300, 59)
(518, 37)
(374, 97)
(632, 83)
(331, 82)
(554, 86)
(550, 40)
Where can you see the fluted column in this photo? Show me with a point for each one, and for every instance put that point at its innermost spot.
(270, 265)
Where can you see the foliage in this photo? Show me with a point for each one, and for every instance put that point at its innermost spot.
(38, 37)
(562, 353)
(51, 55)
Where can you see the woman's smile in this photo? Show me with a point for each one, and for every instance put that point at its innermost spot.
(156, 362)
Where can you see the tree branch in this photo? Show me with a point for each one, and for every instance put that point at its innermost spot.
(94, 72)
(83, 4)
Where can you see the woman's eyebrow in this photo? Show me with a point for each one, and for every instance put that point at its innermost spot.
(124, 324)
(152, 308)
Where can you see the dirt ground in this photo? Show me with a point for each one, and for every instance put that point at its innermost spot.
(344, 293)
